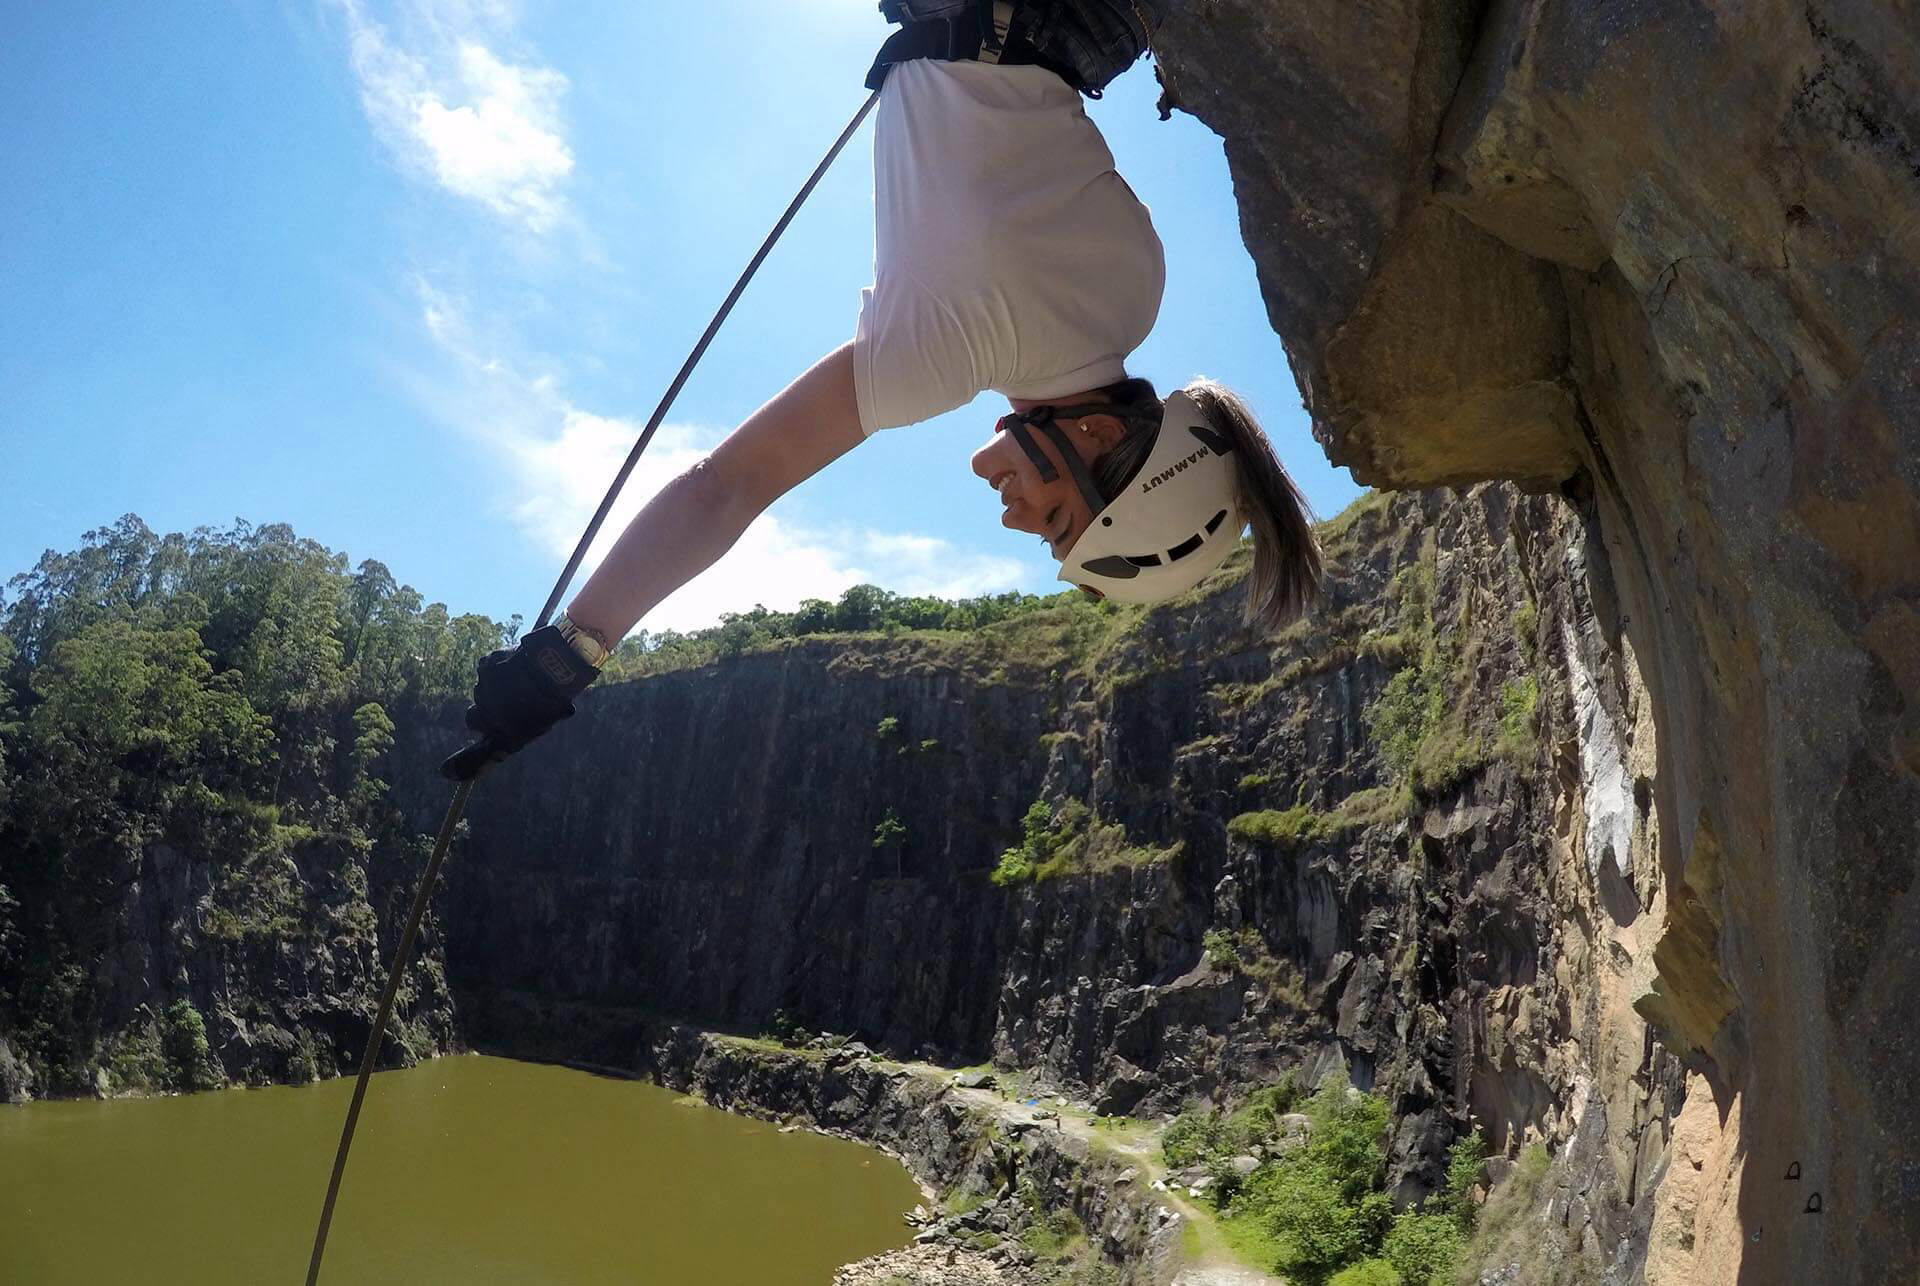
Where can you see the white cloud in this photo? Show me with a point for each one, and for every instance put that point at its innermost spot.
(483, 128)
(561, 458)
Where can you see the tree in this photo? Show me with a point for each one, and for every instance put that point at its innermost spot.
(1465, 1160)
(10, 727)
(1318, 1229)
(1424, 1248)
(862, 607)
(891, 833)
(815, 616)
(184, 1040)
(10, 946)
(372, 740)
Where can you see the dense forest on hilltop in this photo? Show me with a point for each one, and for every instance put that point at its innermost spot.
(194, 728)
(199, 856)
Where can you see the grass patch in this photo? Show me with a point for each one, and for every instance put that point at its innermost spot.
(1238, 696)
(1277, 828)
(770, 1045)
(1526, 631)
(1423, 721)
(1303, 824)
(1058, 1235)
(1518, 700)
(1506, 1233)
(1374, 806)
(1249, 1237)
(963, 1201)
(1354, 519)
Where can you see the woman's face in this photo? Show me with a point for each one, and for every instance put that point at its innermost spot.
(1054, 511)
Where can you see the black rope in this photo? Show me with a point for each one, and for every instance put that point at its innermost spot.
(458, 805)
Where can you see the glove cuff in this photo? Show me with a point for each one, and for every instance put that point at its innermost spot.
(590, 644)
(554, 664)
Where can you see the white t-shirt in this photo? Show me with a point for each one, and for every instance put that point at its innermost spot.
(1008, 253)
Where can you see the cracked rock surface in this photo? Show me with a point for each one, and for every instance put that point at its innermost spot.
(1667, 251)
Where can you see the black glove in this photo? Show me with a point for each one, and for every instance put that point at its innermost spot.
(519, 695)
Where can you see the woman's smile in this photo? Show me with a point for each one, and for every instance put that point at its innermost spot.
(1050, 510)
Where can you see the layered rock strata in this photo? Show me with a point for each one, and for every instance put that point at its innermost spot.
(1671, 250)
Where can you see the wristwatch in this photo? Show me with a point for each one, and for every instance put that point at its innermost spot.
(590, 644)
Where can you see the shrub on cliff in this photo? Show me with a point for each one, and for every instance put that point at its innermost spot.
(1201, 1135)
(1506, 1232)
(1223, 949)
(1424, 1248)
(1368, 1272)
(1465, 1161)
(184, 1038)
(1196, 1135)
(1018, 864)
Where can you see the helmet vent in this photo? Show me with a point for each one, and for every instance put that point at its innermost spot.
(1217, 520)
(1184, 548)
(1143, 560)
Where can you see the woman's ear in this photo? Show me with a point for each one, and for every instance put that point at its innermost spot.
(1103, 431)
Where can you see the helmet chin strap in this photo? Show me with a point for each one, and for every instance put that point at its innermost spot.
(1045, 418)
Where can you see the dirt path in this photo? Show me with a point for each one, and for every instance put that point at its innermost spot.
(1214, 1265)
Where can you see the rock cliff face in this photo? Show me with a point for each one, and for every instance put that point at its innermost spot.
(280, 950)
(1669, 249)
(1416, 838)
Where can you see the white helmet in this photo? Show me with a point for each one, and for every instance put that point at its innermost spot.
(1178, 518)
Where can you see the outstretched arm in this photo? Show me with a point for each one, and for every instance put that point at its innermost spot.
(700, 514)
(521, 693)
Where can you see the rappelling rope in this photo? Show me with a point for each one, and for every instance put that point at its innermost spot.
(459, 803)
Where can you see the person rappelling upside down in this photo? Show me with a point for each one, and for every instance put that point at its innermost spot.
(1009, 255)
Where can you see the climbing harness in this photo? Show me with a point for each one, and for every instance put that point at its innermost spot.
(1085, 42)
(480, 753)
(1176, 519)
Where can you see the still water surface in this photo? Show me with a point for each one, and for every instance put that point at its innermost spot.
(466, 1169)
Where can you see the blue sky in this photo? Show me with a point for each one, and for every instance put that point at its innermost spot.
(409, 274)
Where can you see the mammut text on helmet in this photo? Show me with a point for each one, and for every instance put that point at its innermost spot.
(1177, 467)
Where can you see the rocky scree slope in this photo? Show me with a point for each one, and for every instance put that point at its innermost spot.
(1671, 247)
(1412, 838)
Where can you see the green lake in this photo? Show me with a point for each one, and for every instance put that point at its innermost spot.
(466, 1169)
